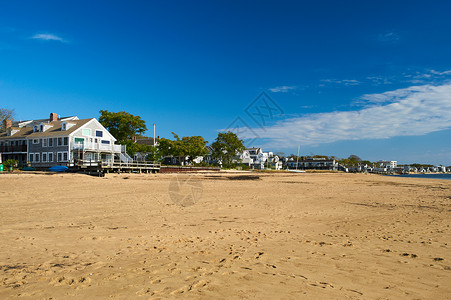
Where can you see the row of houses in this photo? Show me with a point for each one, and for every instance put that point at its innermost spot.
(58, 141)
(392, 167)
(69, 141)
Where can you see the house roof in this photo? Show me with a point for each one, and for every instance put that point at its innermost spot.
(55, 130)
(38, 121)
(148, 141)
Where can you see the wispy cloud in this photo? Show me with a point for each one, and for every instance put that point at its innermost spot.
(427, 77)
(282, 89)
(48, 37)
(440, 73)
(413, 111)
(345, 82)
(378, 80)
(388, 37)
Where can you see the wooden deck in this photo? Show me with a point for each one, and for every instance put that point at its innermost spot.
(103, 167)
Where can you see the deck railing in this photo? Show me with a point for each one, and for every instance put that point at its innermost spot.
(11, 149)
(130, 165)
(97, 147)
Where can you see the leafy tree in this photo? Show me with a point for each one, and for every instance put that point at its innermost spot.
(153, 153)
(122, 125)
(354, 158)
(366, 162)
(418, 166)
(5, 114)
(226, 147)
(188, 147)
(195, 146)
(165, 147)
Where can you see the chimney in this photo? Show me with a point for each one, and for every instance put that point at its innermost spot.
(53, 117)
(7, 123)
(134, 138)
(158, 137)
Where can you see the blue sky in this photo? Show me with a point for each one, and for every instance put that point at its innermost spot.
(340, 77)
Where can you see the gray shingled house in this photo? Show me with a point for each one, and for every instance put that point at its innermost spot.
(58, 141)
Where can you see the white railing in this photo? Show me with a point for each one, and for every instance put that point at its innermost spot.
(97, 147)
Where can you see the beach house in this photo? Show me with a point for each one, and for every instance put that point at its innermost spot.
(389, 164)
(58, 141)
(257, 159)
(313, 163)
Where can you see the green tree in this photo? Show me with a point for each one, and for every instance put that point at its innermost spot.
(165, 147)
(226, 147)
(195, 146)
(5, 114)
(187, 147)
(153, 154)
(122, 125)
(354, 158)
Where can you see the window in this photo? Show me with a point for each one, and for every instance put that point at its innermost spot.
(50, 157)
(44, 142)
(87, 131)
(41, 128)
(96, 140)
(63, 126)
(64, 156)
(59, 156)
(60, 141)
(35, 128)
(79, 140)
(50, 142)
(44, 157)
(35, 141)
(31, 157)
(36, 157)
(65, 141)
(105, 142)
(99, 133)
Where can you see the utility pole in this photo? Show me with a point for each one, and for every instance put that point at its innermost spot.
(154, 134)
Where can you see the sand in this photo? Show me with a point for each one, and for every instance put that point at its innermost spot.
(270, 236)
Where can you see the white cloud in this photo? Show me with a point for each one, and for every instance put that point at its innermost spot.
(378, 80)
(282, 89)
(48, 37)
(346, 82)
(440, 73)
(413, 111)
(388, 37)
(427, 77)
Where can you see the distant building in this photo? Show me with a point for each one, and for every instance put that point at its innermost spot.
(255, 158)
(389, 164)
(313, 163)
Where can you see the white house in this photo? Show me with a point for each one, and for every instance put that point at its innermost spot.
(58, 141)
(389, 164)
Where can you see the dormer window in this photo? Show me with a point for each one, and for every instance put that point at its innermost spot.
(41, 128)
(35, 128)
(65, 126)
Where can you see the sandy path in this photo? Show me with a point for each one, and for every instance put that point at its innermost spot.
(281, 236)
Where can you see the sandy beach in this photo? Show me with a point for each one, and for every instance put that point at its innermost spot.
(245, 236)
